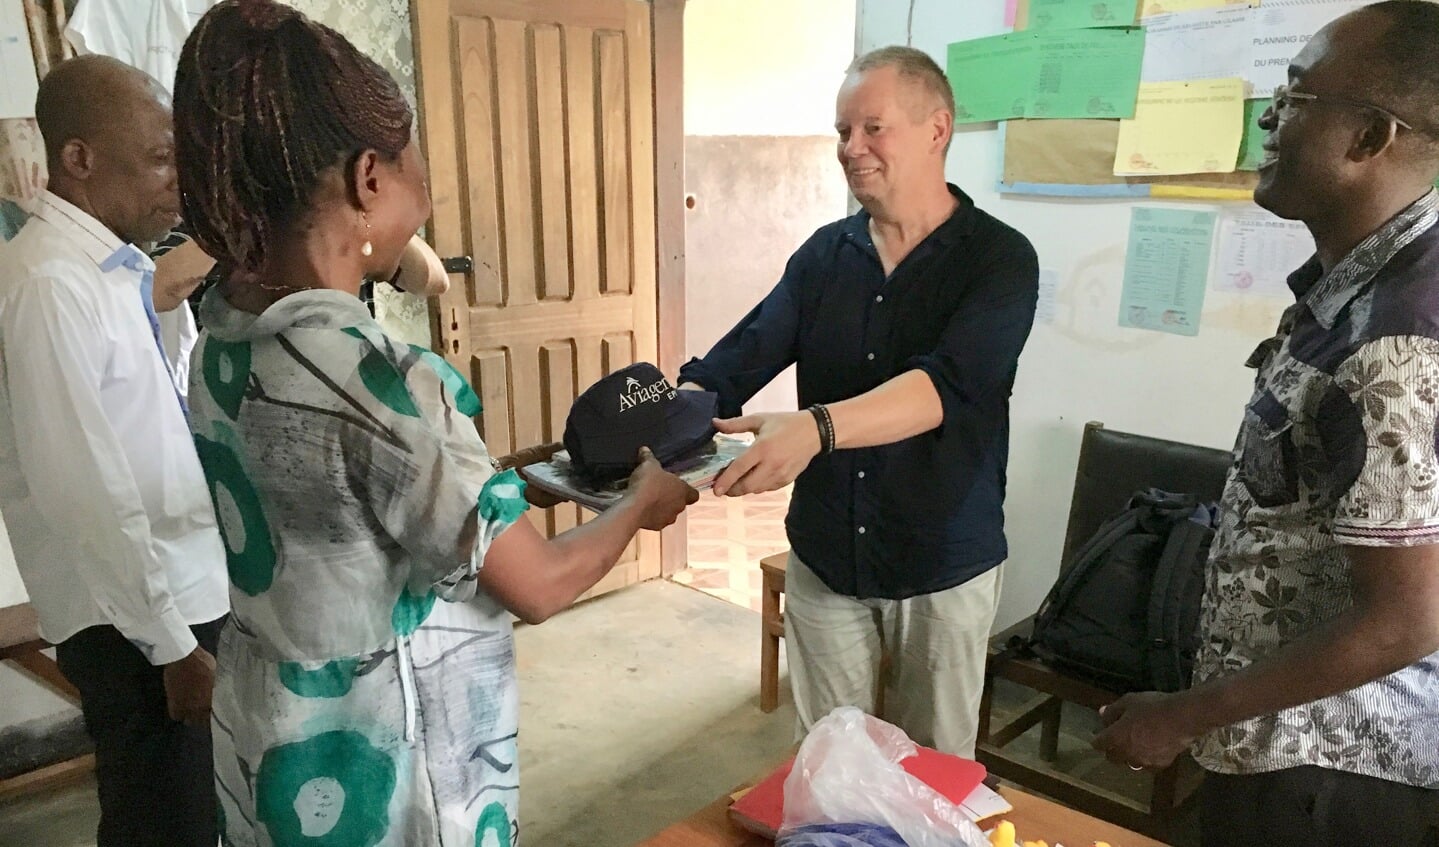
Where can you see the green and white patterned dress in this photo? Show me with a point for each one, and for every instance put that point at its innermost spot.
(351, 708)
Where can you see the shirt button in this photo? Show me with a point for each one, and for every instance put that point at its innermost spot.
(861, 530)
(861, 474)
(879, 298)
(870, 357)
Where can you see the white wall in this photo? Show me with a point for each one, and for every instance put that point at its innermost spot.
(1084, 366)
(12, 591)
(765, 67)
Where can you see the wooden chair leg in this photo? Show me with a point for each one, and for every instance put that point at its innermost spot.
(771, 627)
(1049, 730)
(986, 708)
(1162, 795)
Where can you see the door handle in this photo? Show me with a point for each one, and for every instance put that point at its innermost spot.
(458, 264)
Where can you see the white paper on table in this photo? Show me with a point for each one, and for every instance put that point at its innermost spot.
(1281, 29)
(1258, 251)
(1203, 44)
(17, 63)
(984, 802)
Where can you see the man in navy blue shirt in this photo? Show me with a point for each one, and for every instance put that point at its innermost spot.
(906, 322)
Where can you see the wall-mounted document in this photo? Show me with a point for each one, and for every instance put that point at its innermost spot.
(1087, 73)
(1258, 251)
(1282, 28)
(1251, 146)
(1150, 8)
(1075, 14)
(1046, 309)
(1207, 44)
(1254, 44)
(17, 63)
(1073, 73)
(1165, 268)
(992, 78)
(1183, 128)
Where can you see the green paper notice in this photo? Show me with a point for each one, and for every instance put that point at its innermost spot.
(1166, 269)
(1077, 14)
(1062, 73)
(1251, 148)
(993, 78)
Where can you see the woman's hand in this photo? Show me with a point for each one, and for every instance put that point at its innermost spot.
(661, 495)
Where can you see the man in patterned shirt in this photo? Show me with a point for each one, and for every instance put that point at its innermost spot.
(1315, 707)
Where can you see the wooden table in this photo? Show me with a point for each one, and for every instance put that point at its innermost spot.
(1034, 818)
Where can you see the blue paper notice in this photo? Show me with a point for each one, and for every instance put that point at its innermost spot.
(1165, 269)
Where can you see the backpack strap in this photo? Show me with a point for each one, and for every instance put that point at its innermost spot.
(1184, 544)
(1076, 571)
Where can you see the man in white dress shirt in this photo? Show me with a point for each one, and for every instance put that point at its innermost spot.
(108, 511)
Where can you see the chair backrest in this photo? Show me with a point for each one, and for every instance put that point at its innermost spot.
(1113, 465)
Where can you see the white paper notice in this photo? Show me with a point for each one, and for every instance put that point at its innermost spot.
(17, 63)
(1254, 44)
(1258, 252)
(1282, 28)
(1204, 44)
(1047, 309)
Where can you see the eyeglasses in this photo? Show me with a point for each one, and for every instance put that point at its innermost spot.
(1286, 100)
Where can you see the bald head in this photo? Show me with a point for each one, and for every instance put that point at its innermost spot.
(1399, 40)
(110, 142)
(86, 97)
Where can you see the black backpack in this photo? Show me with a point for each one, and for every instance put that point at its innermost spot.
(1124, 613)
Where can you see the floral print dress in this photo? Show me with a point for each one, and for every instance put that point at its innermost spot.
(365, 691)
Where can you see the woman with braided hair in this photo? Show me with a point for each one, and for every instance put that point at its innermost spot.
(352, 490)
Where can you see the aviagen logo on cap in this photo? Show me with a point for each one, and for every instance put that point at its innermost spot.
(635, 393)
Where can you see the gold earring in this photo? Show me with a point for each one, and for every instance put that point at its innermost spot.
(367, 248)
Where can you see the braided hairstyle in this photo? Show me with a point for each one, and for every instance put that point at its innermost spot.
(266, 101)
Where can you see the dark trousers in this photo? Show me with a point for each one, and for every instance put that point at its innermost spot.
(1316, 807)
(156, 776)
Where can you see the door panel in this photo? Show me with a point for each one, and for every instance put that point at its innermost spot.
(542, 168)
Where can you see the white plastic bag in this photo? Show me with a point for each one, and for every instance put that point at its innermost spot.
(847, 771)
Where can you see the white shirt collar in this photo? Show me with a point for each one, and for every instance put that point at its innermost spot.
(91, 236)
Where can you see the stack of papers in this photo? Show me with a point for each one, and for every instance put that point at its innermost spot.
(561, 478)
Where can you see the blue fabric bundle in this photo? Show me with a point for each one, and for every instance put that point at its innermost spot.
(841, 835)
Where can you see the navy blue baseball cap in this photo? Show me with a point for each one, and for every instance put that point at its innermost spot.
(631, 408)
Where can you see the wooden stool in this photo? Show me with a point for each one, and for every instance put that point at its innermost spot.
(771, 623)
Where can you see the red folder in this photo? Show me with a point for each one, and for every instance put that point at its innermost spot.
(761, 809)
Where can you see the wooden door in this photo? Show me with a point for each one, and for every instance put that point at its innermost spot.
(537, 120)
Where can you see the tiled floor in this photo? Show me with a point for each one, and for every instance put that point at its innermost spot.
(727, 538)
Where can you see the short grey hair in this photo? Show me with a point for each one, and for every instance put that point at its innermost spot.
(913, 65)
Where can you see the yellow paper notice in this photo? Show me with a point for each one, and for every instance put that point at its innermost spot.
(1183, 128)
(1148, 8)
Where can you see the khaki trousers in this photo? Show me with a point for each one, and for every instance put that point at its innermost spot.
(934, 647)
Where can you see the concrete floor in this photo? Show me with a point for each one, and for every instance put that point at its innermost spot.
(638, 708)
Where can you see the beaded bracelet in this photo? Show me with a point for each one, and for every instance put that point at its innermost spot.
(826, 427)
